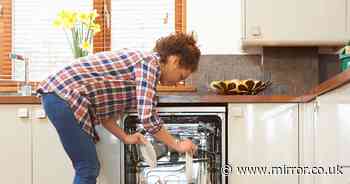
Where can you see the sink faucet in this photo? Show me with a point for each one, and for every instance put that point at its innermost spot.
(25, 87)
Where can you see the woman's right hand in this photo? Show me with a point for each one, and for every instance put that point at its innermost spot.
(186, 146)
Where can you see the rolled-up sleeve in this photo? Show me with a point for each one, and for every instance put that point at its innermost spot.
(146, 76)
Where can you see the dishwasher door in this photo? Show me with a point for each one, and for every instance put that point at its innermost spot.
(109, 155)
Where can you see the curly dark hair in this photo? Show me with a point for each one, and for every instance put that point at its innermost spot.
(181, 45)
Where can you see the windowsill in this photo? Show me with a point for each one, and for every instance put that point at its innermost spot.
(12, 86)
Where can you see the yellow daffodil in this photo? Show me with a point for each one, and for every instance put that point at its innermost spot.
(67, 18)
(85, 45)
(82, 27)
(57, 23)
(62, 14)
(93, 15)
(84, 17)
(95, 28)
(69, 22)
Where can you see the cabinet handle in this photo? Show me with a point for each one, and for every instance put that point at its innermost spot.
(23, 113)
(255, 31)
(40, 113)
(236, 112)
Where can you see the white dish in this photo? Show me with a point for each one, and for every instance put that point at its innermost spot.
(189, 167)
(149, 154)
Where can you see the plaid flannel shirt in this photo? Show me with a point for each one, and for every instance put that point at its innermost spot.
(106, 84)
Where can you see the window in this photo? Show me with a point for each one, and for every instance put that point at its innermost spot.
(34, 36)
(139, 23)
(26, 28)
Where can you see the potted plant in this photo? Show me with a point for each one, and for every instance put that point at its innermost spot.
(79, 28)
(344, 57)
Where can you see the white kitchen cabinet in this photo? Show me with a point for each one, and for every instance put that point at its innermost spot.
(324, 137)
(50, 163)
(332, 135)
(262, 135)
(307, 134)
(217, 25)
(15, 141)
(295, 21)
(31, 152)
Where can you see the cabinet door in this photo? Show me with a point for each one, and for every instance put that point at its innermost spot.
(332, 138)
(217, 24)
(296, 20)
(15, 141)
(50, 162)
(262, 135)
(307, 139)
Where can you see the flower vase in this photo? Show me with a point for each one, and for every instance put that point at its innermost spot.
(79, 52)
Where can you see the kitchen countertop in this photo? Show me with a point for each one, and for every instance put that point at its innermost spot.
(193, 98)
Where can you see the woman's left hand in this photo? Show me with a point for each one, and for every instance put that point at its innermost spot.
(136, 138)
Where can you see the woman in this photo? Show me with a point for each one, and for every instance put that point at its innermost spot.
(99, 88)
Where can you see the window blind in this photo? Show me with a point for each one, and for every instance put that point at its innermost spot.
(138, 24)
(5, 39)
(34, 36)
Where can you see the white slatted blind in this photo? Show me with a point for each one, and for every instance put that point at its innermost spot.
(34, 35)
(139, 23)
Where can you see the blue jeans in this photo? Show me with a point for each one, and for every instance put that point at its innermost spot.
(78, 145)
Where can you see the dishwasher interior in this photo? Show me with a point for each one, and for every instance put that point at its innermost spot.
(205, 129)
